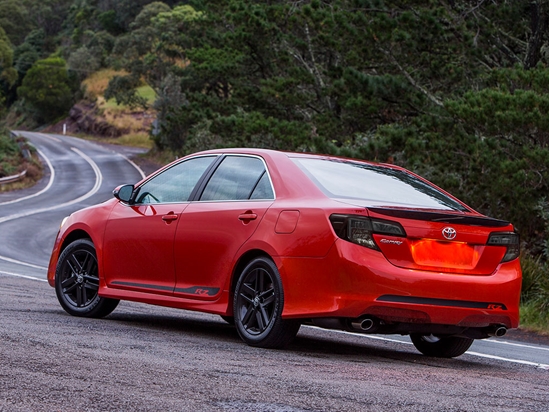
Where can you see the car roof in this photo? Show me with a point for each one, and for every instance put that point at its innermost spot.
(271, 153)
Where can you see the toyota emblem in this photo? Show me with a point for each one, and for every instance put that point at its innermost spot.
(449, 233)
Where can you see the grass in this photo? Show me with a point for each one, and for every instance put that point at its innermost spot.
(134, 124)
(535, 294)
(131, 139)
(97, 83)
(148, 93)
(532, 319)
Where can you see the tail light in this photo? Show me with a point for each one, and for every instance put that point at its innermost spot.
(510, 240)
(360, 230)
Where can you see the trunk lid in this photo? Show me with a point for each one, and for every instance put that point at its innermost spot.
(442, 241)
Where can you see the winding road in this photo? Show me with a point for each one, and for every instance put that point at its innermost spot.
(149, 358)
(78, 173)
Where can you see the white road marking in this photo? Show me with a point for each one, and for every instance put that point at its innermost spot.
(480, 355)
(359, 335)
(523, 362)
(21, 276)
(19, 262)
(98, 181)
(143, 175)
(48, 186)
(520, 345)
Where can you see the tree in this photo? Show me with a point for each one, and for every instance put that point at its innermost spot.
(83, 62)
(14, 20)
(8, 75)
(123, 90)
(157, 43)
(538, 36)
(46, 89)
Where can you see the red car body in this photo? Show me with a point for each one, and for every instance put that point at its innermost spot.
(426, 270)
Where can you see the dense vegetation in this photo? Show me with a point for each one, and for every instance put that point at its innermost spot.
(455, 90)
(10, 156)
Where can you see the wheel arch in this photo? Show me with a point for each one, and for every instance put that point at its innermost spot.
(72, 236)
(242, 262)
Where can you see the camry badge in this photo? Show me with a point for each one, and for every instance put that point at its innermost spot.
(391, 241)
(449, 233)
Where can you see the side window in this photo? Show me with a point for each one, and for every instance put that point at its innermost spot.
(175, 184)
(263, 189)
(239, 178)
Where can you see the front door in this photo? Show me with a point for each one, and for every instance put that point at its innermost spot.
(139, 238)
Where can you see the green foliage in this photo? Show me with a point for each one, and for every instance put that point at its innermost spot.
(47, 89)
(145, 16)
(343, 69)
(535, 293)
(25, 56)
(109, 22)
(10, 156)
(83, 62)
(6, 56)
(36, 39)
(124, 90)
(14, 20)
(8, 75)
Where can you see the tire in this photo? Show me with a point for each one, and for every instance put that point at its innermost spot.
(77, 282)
(441, 347)
(258, 304)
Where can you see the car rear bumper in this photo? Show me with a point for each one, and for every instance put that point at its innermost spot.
(355, 282)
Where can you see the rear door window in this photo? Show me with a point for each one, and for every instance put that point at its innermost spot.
(239, 178)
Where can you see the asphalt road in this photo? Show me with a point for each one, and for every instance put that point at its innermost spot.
(78, 173)
(151, 358)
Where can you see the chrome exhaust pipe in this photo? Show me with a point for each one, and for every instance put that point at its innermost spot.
(498, 331)
(365, 325)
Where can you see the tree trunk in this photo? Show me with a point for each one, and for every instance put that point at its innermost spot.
(539, 23)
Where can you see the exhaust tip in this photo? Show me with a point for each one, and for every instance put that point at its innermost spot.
(498, 331)
(365, 325)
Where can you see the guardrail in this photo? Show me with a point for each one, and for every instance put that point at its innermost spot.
(13, 178)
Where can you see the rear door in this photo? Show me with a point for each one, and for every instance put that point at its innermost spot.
(212, 229)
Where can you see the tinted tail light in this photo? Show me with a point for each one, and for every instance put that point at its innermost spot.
(508, 239)
(360, 230)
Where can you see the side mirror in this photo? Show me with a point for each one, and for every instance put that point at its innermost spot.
(123, 193)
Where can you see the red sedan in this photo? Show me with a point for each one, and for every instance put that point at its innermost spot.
(272, 240)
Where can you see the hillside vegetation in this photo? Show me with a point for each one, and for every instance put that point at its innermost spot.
(456, 91)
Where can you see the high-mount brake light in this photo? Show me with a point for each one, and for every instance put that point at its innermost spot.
(510, 240)
(360, 230)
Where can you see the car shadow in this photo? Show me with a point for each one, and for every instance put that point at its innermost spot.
(351, 348)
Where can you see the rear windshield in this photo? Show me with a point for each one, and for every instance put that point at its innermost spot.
(376, 184)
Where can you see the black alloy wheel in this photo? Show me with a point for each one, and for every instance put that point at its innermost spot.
(77, 282)
(258, 304)
(441, 346)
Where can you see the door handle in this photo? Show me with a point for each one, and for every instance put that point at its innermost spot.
(169, 217)
(247, 216)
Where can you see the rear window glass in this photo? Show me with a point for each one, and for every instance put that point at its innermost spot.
(377, 184)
